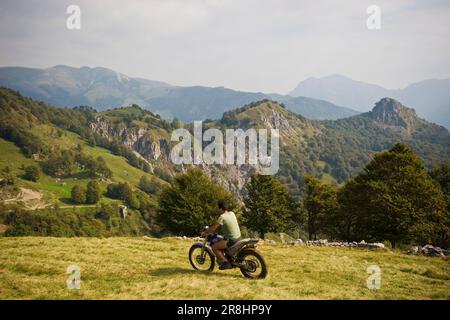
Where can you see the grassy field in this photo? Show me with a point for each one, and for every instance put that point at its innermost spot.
(137, 268)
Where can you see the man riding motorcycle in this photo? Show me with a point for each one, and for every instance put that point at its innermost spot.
(232, 233)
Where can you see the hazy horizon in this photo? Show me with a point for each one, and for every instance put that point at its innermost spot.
(255, 46)
(218, 86)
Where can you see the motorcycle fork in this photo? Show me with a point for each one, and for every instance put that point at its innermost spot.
(203, 252)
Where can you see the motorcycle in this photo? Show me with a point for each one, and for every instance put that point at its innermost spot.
(242, 255)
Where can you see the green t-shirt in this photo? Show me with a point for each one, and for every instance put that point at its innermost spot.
(229, 225)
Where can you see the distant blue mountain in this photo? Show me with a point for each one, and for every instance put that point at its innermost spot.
(430, 98)
(103, 88)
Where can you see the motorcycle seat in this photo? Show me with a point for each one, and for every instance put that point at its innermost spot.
(238, 245)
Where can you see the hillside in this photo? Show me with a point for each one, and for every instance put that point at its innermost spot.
(103, 88)
(337, 150)
(30, 118)
(135, 268)
(66, 86)
(430, 98)
(136, 142)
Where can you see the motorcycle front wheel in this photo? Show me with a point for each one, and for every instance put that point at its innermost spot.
(202, 261)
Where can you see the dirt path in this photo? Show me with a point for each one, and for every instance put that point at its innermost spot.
(32, 199)
(79, 206)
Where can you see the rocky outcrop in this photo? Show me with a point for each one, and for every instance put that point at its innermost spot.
(429, 251)
(275, 120)
(138, 139)
(233, 178)
(149, 146)
(392, 113)
(103, 127)
(152, 149)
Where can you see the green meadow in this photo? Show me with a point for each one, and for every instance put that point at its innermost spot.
(149, 268)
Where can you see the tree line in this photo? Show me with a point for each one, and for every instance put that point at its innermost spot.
(393, 199)
(101, 221)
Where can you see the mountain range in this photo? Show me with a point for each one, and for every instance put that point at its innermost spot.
(103, 88)
(334, 150)
(430, 98)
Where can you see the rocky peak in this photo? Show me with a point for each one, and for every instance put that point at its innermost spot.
(265, 113)
(392, 113)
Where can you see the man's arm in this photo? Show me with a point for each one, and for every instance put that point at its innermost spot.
(211, 229)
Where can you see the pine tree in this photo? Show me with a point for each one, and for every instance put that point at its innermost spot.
(269, 206)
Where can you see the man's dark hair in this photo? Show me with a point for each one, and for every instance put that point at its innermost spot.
(223, 205)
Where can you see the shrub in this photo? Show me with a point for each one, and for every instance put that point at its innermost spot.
(78, 194)
(32, 173)
(93, 192)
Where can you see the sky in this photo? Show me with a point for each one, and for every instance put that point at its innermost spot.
(249, 45)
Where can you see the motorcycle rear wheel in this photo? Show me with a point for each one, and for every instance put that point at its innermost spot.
(252, 261)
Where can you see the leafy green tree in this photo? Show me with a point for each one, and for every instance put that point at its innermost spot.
(190, 203)
(133, 201)
(7, 176)
(150, 186)
(102, 168)
(32, 173)
(394, 199)
(124, 192)
(60, 164)
(441, 174)
(120, 191)
(269, 206)
(94, 167)
(319, 204)
(162, 174)
(145, 202)
(93, 192)
(78, 194)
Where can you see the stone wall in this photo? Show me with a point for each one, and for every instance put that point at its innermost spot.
(429, 251)
(325, 243)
